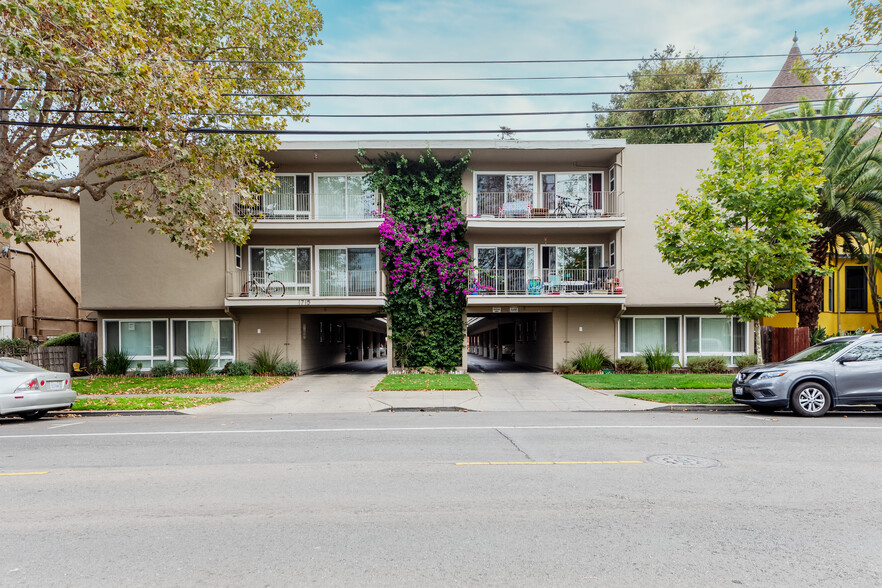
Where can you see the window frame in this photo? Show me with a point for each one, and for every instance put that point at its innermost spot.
(864, 289)
(145, 360)
(680, 326)
(296, 212)
(731, 354)
(505, 174)
(220, 359)
(294, 285)
(589, 183)
(346, 217)
(318, 269)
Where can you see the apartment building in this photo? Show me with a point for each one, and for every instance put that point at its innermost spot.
(561, 234)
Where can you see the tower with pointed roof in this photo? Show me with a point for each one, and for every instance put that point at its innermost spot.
(787, 89)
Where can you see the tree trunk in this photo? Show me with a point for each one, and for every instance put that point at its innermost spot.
(809, 291)
(757, 341)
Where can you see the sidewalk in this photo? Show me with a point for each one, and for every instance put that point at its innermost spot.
(514, 392)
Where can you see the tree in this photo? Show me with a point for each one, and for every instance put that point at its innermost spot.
(864, 31)
(850, 197)
(751, 221)
(867, 251)
(668, 72)
(121, 85)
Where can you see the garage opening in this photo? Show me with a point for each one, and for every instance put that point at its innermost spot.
(344, 344)
(510, 343)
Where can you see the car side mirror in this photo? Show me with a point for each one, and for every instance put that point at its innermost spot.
(848, 357)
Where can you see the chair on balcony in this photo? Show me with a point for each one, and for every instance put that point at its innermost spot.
(515, 209)
(554, 284)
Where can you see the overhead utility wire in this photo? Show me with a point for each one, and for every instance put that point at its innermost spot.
(535, 94)
(209, 131)
(520, 61)
(442, 114)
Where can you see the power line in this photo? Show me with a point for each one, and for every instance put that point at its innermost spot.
(536, 94)
(210, 131)
(440, 114)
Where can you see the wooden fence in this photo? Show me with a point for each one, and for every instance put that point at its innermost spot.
(55, 359)
(779, 343)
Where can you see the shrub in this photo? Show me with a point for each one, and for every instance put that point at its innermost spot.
(427, 369)
(288, 368)
(199, 361)
(566, 367)
(590, 358)
(66, 340)
(708, 365)
(162, 369)
(266, 360)
(818, 335)
(15, 346)
(631, 365)
(239, 368)
(116, 363)
(658, 359)
(743, 361)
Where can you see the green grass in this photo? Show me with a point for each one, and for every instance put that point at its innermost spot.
(427, 382)
(146, 403)
(682, 397)
(175, 384)
(653, 381)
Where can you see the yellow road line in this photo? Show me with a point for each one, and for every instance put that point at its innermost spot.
(543, 462)
(24, 473)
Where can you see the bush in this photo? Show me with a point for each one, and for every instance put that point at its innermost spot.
(743, 361)
(266, 360)
(239, 368)
(199, 361)
(288, 368)
(427, 369)
(658, 359)
(590, 358)
(708, 365)
(566, 367)
(631, 365)
(66, 340)
(116, 363)
(818, 335)
(162, 369)
(15, 346)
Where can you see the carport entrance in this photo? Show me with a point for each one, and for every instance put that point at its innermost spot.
(510, 343)
(344, 343)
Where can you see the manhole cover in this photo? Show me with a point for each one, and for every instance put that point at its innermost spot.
(687, 461)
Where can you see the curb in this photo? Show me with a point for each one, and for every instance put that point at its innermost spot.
(700, 408)
(96, 413)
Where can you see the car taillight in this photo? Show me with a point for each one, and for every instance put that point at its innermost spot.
(32, 384)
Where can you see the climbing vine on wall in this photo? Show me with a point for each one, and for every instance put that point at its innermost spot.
(425, 255)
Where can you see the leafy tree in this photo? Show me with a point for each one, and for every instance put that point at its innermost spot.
(851, 196)
(667, 71)
(867, 251)
(865, 30)
(751, 221)
(120, 83)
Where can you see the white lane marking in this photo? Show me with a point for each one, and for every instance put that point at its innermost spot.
(482, 428)
(67, 424)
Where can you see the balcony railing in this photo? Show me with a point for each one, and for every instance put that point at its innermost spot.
(586, 205)
(548, 282)
(277, 284)
(348, 283)
(310, 206)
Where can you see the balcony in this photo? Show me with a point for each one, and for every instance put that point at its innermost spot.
(313, 207)
(520, 205)
(567, 282)
(333, 287)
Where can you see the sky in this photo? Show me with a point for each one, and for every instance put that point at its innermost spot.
(461, 30)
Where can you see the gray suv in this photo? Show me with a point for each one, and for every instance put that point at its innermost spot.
(841, 370)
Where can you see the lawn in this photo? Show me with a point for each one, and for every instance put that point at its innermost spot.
(682, 397)
(427, 382)
(146, 403)
(175, 384)
(653, 381)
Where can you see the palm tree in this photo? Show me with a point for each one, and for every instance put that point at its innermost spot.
(850, 198)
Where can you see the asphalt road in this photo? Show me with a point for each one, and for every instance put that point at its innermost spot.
(440, 499)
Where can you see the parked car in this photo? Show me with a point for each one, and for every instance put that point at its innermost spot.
(839, 371)
(30, 392)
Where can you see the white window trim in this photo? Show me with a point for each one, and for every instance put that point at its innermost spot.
(137, 358)
(537, 261)
(315, 192)
(171, 344)
(603, 176)
(347, 247)
(238, 252)
(702, 353)
(586, 245)
(681, 346)
(535, 175)
(611, 252)
(312, 263)
(308, 213)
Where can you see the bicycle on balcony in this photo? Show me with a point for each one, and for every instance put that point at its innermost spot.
(570, 207)
(263, 286)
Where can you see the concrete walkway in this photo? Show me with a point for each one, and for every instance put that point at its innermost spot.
(512, 392)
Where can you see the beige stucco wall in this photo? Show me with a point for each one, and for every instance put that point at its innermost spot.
(653, 175)
(125, 267)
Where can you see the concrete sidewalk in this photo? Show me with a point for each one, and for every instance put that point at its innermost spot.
(510, 392)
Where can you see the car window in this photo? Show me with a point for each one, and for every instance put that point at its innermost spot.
(7, 364)
(820, 351)
(869, 351)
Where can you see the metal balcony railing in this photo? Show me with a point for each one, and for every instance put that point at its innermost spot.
(276, 284)
(549, 282)
(588, 205)
(348, 283)
(311, 206)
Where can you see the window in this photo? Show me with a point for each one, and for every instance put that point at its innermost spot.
(831, 293)
(855, 289)
(638, 333)
(786, 290)
(348, 271)
(494, 190)
(289, 265)
(715, 336)
(573, 194)
(506, 269)
(612, 180)
(238, 256)
(612, 254)
(578, 268)
(214, 336)
(869, 351)
(290, 198)
(344, 197)
(145, 341)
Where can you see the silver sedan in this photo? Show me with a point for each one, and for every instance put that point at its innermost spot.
(30, 391)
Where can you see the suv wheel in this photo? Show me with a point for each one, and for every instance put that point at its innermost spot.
(810, 400)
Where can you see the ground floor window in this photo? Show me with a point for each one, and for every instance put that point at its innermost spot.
(148, 341)
(715, 336)
(855, 290)
(639, 333)
(212, 336)
(701, 336)
(144, 340)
